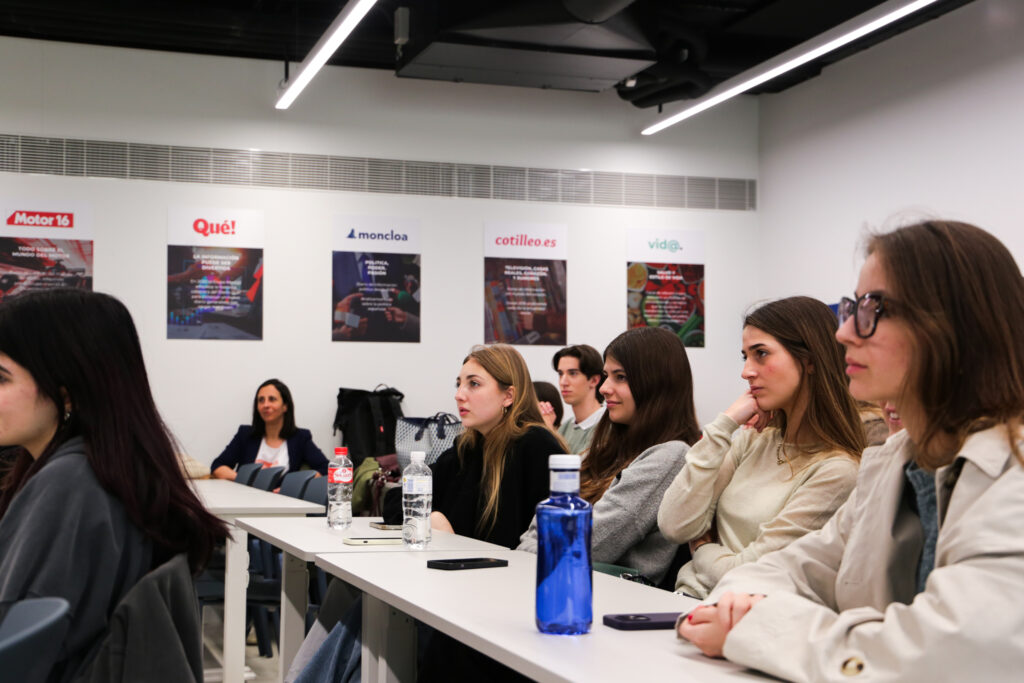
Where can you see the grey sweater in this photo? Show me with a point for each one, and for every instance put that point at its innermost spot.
(626, 517)
(64, 535)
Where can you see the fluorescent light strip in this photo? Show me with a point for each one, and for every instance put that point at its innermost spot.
(329, 42)
(849, 31)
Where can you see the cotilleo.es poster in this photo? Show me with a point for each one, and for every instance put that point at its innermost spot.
(43, 245)
(375, 280)
(214, 273)
(524, 283)
(665, 282)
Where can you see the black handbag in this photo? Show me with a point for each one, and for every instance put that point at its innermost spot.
(367, 421)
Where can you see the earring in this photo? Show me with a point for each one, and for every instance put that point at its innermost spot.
(67, 415)
(504, 410)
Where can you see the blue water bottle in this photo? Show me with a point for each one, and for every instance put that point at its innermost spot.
(564, 582)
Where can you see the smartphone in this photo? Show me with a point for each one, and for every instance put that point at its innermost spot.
(642, 622)
(382, 540)
(467, 563)
(385, 527)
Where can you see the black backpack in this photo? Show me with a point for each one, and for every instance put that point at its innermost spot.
(367, 421)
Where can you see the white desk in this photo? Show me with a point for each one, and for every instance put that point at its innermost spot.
(302, 539)
(492, 610)
(228, 500)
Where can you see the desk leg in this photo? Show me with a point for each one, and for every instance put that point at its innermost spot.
(389, 643)
(294, 601)
(236, 580)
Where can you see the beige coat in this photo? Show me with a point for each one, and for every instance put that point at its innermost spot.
(841, 603)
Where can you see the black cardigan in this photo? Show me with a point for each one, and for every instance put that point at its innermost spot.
(458, 497)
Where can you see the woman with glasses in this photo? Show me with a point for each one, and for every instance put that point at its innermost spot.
(746, 492)
(920, 576)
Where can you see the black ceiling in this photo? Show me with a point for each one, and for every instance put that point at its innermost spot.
(667, 50)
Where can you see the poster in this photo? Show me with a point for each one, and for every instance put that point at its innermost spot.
(375, 280)
(43, 245)
(214, 273)
(524, 283)
(665, 282)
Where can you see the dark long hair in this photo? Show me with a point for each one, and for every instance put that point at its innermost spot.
(259, 427)
(546, 391)
(806, 328)
(82, 347)
(659, 377)
(960, 291)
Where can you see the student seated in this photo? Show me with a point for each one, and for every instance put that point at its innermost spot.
(746, 492)
(549, 402)
(486, 486)
(95, 497)
(272, 440)
(579, 375)
(920, 576)
(639, 445)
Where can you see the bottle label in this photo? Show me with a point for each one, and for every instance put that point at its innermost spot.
(417, 485)
(565, 481)
(339, 475)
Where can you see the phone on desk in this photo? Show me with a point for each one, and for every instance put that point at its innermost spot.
(642, 622)
(380, 540)
(385, 527)
(467, 563)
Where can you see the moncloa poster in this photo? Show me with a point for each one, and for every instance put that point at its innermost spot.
(375, 280)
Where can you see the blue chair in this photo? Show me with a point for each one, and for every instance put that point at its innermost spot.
(31, 635)
(246, 473)
(316, 492)
(268, 478)
(294, 483)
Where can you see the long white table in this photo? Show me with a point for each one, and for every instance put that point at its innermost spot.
(492, 610)
(302, 539)
(229, 500)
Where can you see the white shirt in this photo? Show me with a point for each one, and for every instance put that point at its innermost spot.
(273, 457)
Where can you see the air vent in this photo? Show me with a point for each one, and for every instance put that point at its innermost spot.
(111, 159)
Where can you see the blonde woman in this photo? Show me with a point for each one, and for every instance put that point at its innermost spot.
(487, 485)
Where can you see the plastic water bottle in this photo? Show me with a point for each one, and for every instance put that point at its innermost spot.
(417, 496)
(339, 490)
(564, 579)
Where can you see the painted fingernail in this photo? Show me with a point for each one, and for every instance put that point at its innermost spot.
(689, 617)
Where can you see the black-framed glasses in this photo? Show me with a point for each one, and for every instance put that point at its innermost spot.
(865, 312)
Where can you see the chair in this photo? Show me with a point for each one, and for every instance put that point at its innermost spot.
(31, 636)
(294, 483)
(246, 473)
(268, 478)
(316, 492)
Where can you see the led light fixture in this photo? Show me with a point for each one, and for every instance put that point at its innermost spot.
(830, 40)
(329, 42)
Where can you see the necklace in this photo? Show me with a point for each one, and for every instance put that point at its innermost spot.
(780, 454)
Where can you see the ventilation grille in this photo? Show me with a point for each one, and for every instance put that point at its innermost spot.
(128, 160)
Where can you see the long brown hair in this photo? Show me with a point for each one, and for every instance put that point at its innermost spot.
(659, 377)
(507, 367)
(806, 328)
(82, 347)
(960, 291)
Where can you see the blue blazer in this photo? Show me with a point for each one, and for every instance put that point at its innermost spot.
(244, 447)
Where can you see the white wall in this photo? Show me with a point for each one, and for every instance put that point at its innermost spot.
(205, 388)
(928, 123)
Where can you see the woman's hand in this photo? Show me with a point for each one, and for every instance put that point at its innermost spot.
(547, 412)
(710, 537)
(440, 522)
(745, 411)
(708, 625)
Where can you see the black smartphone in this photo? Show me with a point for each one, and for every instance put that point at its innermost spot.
(642, 622)
(467, 563)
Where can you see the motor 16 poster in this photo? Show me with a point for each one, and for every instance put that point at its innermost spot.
(665, 282)
(44, 244)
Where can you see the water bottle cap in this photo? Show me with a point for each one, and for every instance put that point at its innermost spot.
(563, 462)
(341, 450)
(418, 456)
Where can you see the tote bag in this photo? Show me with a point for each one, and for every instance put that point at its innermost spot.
(432, 435)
